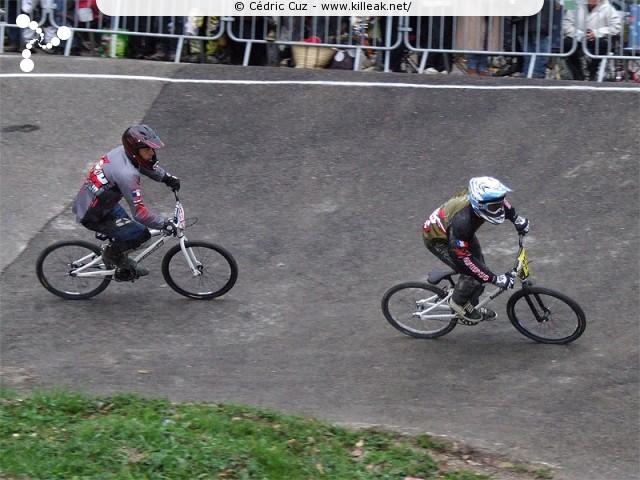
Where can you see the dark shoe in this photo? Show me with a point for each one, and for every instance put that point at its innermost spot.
(112, 260)
(487, 314)
(467, 313)
(133, 266)
(506, 71)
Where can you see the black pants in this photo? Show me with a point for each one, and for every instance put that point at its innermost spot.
(468, 289)
(436, 32)
(599, 46)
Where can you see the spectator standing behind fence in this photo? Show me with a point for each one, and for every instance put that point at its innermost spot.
(246, 28)
(139, 46)
(34, 8)
(436, 32)
(166, 46)
(389, 30)
(597, 24)
(478, 33)
(534, 36)
(13, 33)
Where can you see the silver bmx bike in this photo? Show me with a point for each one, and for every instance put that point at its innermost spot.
(75, 270)
(421, 310)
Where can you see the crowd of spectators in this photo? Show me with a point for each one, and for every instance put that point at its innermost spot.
(557, 29)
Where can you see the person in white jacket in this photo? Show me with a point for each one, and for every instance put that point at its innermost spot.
(595, 26)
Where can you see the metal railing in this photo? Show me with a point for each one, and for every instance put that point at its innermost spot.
(265, 40)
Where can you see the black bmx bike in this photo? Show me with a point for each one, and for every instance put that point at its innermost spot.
(421, 310)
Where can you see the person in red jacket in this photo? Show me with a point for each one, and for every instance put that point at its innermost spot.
(116, 176)
(450, 234)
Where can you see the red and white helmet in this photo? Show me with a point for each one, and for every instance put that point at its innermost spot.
(140, 136)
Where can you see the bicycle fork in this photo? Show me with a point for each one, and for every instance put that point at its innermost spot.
(546, 313)
(190, 257)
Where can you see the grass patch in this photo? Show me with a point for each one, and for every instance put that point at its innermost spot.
(62, 435)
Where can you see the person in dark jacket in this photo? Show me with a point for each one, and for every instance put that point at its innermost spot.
(534, 36)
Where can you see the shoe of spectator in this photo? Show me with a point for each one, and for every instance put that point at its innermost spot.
(159, 57)
(508, 71)
(431, 71)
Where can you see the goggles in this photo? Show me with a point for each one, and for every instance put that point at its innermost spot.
(494, 208)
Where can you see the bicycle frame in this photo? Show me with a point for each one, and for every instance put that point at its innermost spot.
(95, 260)
(520, 269)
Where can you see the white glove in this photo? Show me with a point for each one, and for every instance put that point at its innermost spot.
(506, 281)
(522, 225)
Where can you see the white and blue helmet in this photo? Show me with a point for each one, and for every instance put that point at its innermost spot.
(486, 195)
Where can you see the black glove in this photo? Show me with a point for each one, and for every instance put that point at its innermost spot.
(172, 182)
(505, 281)
(522, 225)
(169, 228)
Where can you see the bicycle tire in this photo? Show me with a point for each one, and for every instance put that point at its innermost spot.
(54, 266)
(400, 303)
(546, 316)
(219, 271)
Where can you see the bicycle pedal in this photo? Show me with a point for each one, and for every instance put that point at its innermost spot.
(468, 323)
(125, 275)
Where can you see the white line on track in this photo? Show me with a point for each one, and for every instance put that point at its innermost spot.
(146, 78)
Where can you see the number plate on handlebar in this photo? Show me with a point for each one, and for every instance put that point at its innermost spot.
(180, 217)
(523, 265)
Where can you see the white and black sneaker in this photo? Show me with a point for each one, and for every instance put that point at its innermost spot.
(468, 314)
(487, 314)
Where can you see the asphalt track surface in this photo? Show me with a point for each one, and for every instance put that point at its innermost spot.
(319, 188)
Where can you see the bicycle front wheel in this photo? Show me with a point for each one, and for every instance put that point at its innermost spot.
(218, 270)
(546, 316)
(57, 263)
(403, 304)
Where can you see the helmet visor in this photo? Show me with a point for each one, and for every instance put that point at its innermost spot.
(154, 142)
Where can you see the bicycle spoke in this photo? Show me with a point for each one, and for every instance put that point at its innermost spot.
(216, 270)
(546, 316)
(56, 268)
(417, 310)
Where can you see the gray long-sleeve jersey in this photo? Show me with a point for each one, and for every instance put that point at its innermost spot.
(111, 179)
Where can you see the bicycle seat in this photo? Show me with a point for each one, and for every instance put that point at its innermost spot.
(437, 276)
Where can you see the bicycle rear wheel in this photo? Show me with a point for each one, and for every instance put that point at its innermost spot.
(55, 266)
(402, 304)
(218, 270)
(546, 316)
